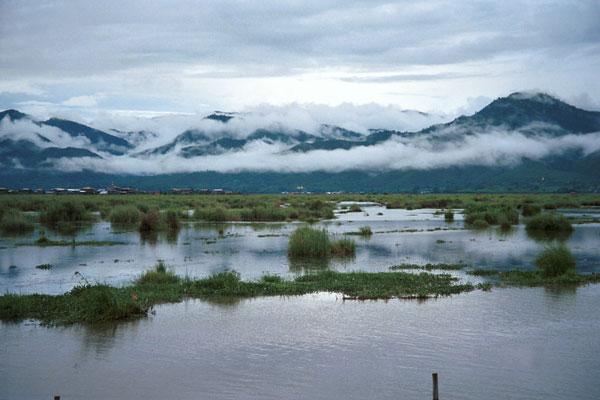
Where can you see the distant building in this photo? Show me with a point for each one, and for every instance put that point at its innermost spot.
(182, 191)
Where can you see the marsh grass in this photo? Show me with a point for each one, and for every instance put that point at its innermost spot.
(126, 214)
(65, 212)
(529, 210)
(549, 222)
(355, 208)
(343, 247)
(555, 260)
(160, 274)
(95, 303)
(13, 221)
(362, 231)
(449, 215)
(308, 242)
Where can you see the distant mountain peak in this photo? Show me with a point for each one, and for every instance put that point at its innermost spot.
(220, 116)
(13, 115)
(534, 96)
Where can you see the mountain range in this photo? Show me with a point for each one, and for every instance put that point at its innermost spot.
(519, 143)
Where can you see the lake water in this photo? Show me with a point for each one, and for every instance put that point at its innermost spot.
(508, 343)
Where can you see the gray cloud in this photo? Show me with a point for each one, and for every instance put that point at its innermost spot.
(230, 52)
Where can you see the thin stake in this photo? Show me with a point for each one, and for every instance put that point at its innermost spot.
(435, 387)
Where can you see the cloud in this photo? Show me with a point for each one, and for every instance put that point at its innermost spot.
(83, 101)
(498, 147)
(230, 53)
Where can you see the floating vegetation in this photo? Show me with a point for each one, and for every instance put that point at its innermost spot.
(362, 231)
(125, 214)
(95, 303)
(517, 277)
(44, 266)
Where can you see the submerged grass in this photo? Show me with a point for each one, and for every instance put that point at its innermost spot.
(517, 277)
(94, 303)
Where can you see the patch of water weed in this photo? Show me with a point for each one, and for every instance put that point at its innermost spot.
(93, 303)
(449, 215)
(160, 274)
(308, 242)
(343, 247)
(555, 260)
(362, 231)
(549, 222)
(44, 266)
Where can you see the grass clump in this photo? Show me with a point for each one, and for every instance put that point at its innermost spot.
(12, 221)
(343, 247)
(309, 242)
(126, 214)
(529, 210)
(362, 231)
(365, 231)
(65, 212)
(44, 266)
(555, 261)
(160, 274)
(449, 215)
(355, 208)
(549, 222)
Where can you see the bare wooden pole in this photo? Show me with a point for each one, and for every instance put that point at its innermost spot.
(56, 397)
(435, 387)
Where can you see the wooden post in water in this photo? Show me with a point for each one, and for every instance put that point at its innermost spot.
(435, 387)
(56, 397)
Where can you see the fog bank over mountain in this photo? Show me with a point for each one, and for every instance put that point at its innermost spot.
(507, 133)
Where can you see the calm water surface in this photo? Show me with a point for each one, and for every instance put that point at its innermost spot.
(198, 250)
(509, 343)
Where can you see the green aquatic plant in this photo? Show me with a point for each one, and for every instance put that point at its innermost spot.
(13, 221)
(308, 242)
(126, 214)
(555, 260)
(549, 222)
(160, 274)
(343, 247)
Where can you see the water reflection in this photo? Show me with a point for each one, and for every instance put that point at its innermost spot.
(545, 237)
(305, 264)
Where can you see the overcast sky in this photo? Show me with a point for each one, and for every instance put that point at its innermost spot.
(153, 57)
